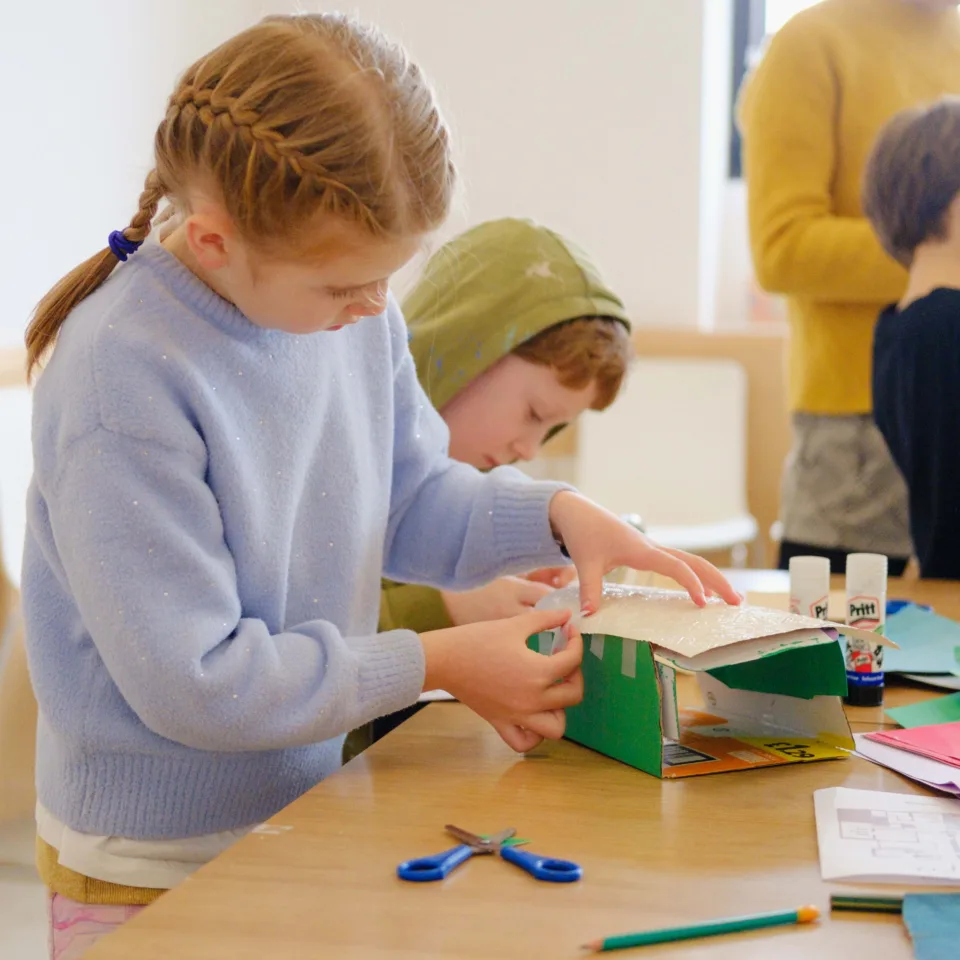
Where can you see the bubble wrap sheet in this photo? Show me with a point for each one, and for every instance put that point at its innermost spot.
(670, 620)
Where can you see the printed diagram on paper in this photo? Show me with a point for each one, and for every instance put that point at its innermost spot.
(903, 835)
(866, 835)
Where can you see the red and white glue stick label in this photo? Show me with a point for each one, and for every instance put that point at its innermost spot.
(866, 609)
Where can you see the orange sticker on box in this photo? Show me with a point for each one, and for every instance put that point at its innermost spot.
(708, 745)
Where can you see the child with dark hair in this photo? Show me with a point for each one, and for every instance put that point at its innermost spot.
(912, 197)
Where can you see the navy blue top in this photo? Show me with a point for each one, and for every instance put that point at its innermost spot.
(916, 400)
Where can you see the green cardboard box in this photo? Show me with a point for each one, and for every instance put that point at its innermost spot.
(771, 681)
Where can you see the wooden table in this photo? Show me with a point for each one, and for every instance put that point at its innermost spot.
(319, 880)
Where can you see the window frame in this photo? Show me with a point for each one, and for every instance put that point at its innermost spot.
(748, 32)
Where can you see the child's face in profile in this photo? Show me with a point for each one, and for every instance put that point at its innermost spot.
(333, 293)
(507, 412)
(346, 280)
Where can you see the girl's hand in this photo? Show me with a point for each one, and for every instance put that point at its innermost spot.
(489, 667)
(553, 576)
(506, 597)
(598, 542)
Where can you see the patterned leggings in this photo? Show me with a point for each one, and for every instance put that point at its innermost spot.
(75, 927)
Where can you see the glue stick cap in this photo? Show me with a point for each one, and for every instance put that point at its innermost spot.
(866, 574)
(809, 585)
(807, 569)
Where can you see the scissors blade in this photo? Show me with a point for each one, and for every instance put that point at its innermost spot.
(497, 840)
(490, 845)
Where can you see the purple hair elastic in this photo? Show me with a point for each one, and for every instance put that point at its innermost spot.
(121, 246)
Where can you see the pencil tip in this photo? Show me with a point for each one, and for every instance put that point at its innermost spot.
(593, 945)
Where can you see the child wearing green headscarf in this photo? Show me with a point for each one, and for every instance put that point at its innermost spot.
(514, 334)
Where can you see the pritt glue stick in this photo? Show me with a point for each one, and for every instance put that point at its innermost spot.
(866, 609)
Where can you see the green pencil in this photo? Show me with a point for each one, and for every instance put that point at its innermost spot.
(733, 925)
(841, 901)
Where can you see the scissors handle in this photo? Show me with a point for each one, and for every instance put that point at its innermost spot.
(436, 867)
(542, 868)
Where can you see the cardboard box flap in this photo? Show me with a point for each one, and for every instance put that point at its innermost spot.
(670, 620)
(808, 664)
(748, 712)
(746, 650)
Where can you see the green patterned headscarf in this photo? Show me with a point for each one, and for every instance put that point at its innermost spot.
(489, 290)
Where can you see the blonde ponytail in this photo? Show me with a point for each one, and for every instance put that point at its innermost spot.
(80, 282)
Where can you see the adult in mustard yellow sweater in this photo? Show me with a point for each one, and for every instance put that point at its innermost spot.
(828, 82)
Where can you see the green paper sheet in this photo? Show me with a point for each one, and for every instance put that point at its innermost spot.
(510, 842)
(804, 672)
(937, 710)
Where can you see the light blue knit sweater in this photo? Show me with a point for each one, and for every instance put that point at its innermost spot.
(212, 508)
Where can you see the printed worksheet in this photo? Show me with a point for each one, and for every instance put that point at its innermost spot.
(869, 836)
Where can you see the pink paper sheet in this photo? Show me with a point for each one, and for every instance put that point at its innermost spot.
(939, 742)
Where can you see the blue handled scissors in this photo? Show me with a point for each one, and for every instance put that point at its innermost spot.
(440, 865)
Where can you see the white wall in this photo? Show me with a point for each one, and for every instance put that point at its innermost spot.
(715, 83)
(596, 119)
(734, 269)
(587, 118)
(606, 120)
(87, 83)
(86, 86)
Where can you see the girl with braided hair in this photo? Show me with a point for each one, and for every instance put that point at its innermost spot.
(231, 446)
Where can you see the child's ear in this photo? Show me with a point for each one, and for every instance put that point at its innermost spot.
(211, 237)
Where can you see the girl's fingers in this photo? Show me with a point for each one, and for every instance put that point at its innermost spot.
(591, 587)
(516, 737)
(564, 662)
(537, 621)
(669, 564)
(531, 592)
(711, 577)
(568, 693)
(553, 576)
(548, 724)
